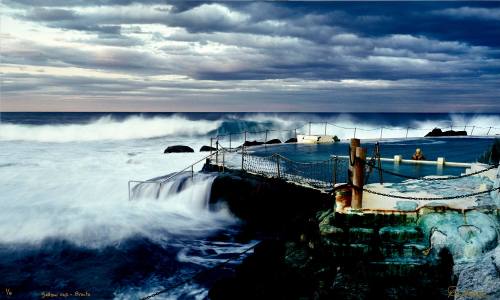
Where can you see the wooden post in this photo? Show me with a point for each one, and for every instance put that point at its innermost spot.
(352, 155)
(358, 178)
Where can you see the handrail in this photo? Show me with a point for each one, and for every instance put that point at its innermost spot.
(450, 126)
(175, 174)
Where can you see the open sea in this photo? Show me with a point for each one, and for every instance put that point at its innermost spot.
(67, 225)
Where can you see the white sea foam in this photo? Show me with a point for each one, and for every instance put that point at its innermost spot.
(108, 128)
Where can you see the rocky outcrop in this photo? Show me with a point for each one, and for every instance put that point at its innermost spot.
(436, 132)
(178, 149)
(292, 140)
(273, 141)
(252, 143)
(207, 148)
(480, 280)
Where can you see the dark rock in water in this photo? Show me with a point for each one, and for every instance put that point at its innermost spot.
(492, 155)
(439, 132)
(292, 140)
(178, 149)
(207, 148)
(252, 143)
(273, 141)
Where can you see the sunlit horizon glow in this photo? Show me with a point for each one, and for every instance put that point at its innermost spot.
(116, 55)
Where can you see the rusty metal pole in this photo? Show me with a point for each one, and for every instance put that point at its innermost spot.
(358, 178)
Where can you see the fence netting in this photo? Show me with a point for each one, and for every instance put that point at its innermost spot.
(319, 174)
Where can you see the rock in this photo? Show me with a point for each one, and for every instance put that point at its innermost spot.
(480, 280)
(292, 140)
(178, 149)
(273, 141)
(252, 143)
(492, 155)
(207, 148)
(438, 132)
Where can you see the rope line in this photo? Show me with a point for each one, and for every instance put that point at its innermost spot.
(423, 178)
(432, 198)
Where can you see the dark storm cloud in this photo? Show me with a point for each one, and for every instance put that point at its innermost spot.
(448, 50)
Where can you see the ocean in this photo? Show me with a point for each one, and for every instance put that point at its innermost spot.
(66, 222)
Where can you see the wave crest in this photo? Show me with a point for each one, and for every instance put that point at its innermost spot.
(107, 128)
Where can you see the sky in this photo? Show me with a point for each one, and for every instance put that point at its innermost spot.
(126, 55)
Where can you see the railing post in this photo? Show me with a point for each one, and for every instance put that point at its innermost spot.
(245, 136)
(326, 123)
(472, 130)
(309, 128)
(192, 172)
(335, 162)
(217, 152)
(358, 178)
(354, 132)
(265, 140)
(381, 129)
(129, 191)
(296, 132)
(407, 128)
(242, 157)
(211, 143)
(229, 141)
(278, 165)
(223, 161)
(488, 133)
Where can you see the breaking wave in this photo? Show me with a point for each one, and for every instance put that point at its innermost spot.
(108, 128)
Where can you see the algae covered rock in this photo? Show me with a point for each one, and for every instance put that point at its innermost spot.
(480, 280)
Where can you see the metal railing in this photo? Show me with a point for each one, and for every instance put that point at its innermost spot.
(307, 128)
(216, 153)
